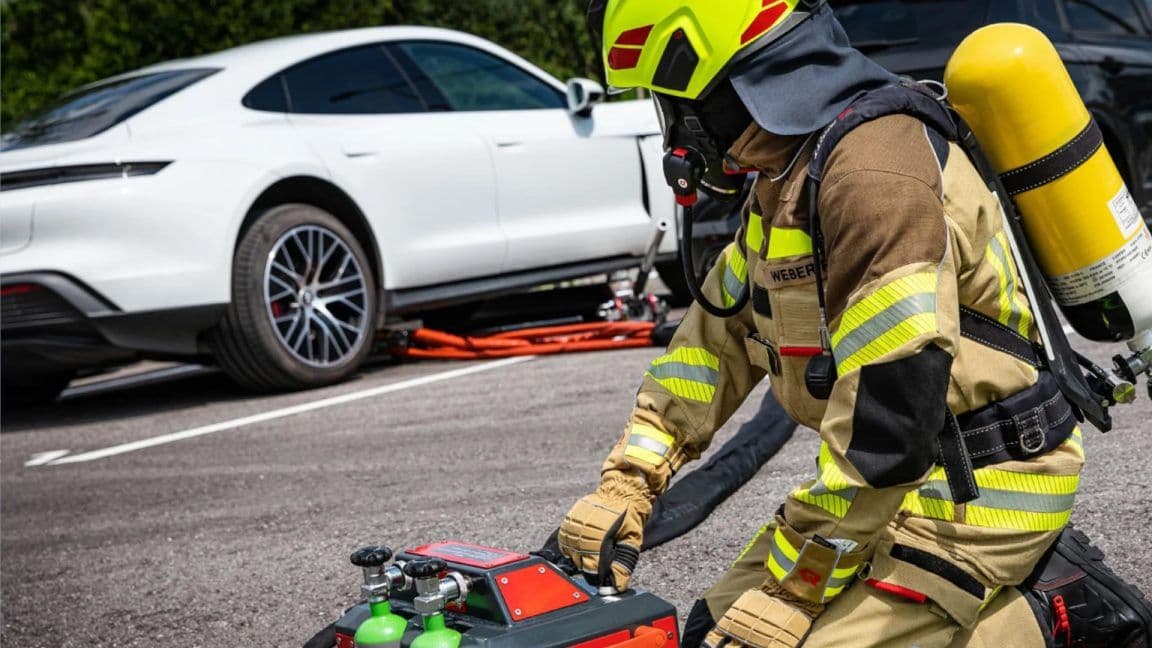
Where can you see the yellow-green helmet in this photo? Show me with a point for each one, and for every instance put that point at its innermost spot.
(681, 48)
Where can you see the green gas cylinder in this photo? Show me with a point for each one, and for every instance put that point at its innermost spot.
(436, 634)
(381, 630)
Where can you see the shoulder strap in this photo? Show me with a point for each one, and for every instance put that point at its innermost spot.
(912, 99)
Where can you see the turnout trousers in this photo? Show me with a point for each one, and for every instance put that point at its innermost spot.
(893, 603)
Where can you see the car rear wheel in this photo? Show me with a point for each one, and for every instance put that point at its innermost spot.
(303, 302)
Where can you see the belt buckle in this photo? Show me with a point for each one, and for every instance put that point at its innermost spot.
(1032, 428)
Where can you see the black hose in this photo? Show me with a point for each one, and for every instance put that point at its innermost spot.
(688, 266)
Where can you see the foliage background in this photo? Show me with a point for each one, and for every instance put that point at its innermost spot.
(48, 47)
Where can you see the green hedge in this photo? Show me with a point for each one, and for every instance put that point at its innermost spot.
(51, 46)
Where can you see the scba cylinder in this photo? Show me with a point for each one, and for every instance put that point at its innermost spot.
(1008, 83)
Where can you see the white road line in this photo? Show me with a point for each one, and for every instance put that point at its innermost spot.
(41, 458)
(282, 413)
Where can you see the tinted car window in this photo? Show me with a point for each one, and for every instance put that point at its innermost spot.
(1104, 16)
(269, 95)
(874, 25)
(98, 107)
(470, 79)
(362, 80)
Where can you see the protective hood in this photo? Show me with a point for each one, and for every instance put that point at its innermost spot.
(801, 82)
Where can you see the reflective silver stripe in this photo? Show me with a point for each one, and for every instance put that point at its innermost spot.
(1004, 499)
(1017, 501)
(1009, 283)
(883, 322)
(936, 489)
(695, 373)
(834, 582)
(648, 443)
(820, 488)
(733, 285)
(784, 561)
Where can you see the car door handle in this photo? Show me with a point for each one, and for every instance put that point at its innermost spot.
(1112, 66)
(509, 145)
(359, 151)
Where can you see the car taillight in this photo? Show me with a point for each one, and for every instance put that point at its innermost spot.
(19, 289)
(77, 173)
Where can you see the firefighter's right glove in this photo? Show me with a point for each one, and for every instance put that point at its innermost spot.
(602, 534)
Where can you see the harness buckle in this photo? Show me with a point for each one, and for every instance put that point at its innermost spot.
(1032, 428)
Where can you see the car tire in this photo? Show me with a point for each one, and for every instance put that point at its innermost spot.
(303, 309)
(33, 389)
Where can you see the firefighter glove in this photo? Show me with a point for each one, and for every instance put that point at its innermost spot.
(603, 532)
(759, 620)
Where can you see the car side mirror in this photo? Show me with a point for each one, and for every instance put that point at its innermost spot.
(582, 95)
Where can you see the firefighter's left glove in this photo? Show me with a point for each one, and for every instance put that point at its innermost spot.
(602, 534)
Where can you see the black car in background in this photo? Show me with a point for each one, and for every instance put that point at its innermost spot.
(1106, 45)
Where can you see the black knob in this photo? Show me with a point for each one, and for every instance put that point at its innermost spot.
(371, 556)
(424, 567)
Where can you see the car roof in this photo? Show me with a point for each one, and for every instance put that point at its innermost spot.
(263, 58)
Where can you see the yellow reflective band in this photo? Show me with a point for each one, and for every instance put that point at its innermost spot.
(832, 503)
(688, 389)
(781, 541)
(885, 320)
(643, 454)
(879, 300)
(896, 337)
(777, 570)
(782, 556)
(1008, 500)
(929, 507)
(698, 356)
(687, 372)
(735, 276)
(752, 543)
(832, 592)
(830, 473)
(844, 572)
(788, 243)
(1026, 482)
(1018, 520)
(1014, 311)
(830, 491)
(754, 239)
(840, 579)
(653, 433)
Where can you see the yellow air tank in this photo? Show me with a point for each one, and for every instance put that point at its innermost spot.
(1008, 83)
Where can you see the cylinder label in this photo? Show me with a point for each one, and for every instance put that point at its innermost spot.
(1125, 211)
(1107, 275)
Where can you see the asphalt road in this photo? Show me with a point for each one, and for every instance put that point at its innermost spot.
(240, 534)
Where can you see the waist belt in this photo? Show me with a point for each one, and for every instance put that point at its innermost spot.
(1027, 424)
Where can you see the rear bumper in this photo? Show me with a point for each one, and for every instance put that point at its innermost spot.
(54, 323)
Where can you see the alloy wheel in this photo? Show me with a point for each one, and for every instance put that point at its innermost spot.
(315, 296)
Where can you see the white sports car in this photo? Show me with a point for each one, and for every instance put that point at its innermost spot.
(271, 206)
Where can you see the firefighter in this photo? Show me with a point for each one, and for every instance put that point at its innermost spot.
(885, 307)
